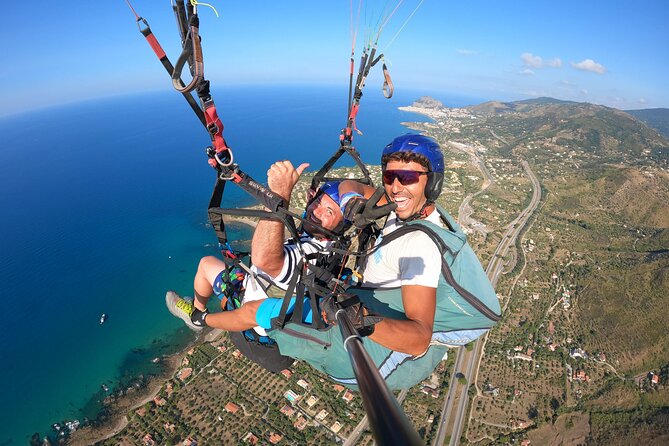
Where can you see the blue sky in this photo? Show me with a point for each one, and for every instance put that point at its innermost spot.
(605, 52)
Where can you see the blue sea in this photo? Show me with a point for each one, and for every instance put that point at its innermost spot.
(104, 209)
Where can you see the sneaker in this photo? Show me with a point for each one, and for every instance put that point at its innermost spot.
(181, 308)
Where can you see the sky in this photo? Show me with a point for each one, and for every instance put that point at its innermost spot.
(610, 52)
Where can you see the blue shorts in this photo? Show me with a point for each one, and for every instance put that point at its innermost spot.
(271, 307)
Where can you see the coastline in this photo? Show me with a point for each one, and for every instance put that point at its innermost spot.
(117, 419)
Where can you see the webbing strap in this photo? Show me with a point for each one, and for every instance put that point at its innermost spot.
(353, 153)
(192, 49)
(388, 87)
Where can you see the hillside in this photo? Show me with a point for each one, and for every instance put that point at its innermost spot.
(608, 134)
(586, 290)
(656, 118)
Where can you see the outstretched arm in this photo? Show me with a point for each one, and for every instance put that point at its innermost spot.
(267, 243)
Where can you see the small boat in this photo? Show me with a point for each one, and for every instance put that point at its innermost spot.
(103, 318)
(104, 387)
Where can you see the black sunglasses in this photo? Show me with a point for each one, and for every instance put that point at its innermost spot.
(405, 177)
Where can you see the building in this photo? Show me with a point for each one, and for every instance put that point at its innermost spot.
(580, 375)
(184, 374)
(287, 410)
(286, 373)
(320, 416)
(231, 407)
(578, 353)
(338, 388)
(302, 383)
(348, 396)
(311, 401)
(250, 438)
(275, 438)
(336, 427)
(300, 423)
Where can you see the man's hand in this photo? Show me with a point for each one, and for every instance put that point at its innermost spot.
(356, 312)
(362, 212)
(282, 178)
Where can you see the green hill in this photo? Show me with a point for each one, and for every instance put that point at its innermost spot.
(607, 133)
(656, 118)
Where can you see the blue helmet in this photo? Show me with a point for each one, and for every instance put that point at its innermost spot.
(429, 148)
(331, 188)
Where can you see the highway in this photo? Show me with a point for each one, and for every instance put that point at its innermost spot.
(467, 363)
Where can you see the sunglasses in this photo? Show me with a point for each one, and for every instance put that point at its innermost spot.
(405, 177)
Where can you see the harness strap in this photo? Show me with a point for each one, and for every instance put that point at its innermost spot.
(214, 126)
(192, 49)
(353, 153)
(388, 87)
(445, 269)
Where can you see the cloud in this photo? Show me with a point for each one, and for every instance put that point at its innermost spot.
(526, 72)
(532, 61)
(466, 52)
(642, 100)
(589, 65)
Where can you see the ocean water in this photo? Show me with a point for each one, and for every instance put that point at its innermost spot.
(104, 209)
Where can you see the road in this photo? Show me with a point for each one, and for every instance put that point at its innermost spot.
(467, 363)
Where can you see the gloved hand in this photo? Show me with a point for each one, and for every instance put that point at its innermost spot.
(356, 312)
(198, 317)
(362, 212)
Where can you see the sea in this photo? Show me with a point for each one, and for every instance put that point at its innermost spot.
(104, 209)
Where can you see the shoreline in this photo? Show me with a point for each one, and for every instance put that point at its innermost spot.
(118, 409)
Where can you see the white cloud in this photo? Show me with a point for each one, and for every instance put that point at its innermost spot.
(532, 61)
(589, 65)
(526, 72)
(466, 52)
(642, 100)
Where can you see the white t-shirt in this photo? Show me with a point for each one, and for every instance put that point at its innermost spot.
(254, 291)
(412, 259)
